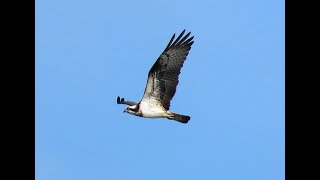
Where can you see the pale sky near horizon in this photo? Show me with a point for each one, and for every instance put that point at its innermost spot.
(232, 86)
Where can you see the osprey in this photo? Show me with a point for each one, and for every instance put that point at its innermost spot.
(162, 82)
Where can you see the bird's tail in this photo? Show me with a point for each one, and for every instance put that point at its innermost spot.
(180, 118)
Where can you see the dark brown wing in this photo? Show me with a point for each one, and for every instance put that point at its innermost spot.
(164, 74)
(122, 101)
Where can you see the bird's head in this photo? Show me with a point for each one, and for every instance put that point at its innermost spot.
(135, 110)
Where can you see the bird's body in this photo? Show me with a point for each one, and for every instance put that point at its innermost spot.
(162, 82)
(152, 109)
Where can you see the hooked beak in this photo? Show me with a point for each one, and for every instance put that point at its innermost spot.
(124, 110)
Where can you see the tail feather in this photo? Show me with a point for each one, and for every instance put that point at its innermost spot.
(181, 118)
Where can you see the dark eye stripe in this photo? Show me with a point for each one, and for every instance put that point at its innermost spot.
(136, 109)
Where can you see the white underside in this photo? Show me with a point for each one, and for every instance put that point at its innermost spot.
(153, 109)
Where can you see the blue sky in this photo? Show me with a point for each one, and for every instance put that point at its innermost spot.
(232, 86)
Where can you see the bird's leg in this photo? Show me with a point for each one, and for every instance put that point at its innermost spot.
(170, 115)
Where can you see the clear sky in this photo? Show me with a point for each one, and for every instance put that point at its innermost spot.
(232, 86)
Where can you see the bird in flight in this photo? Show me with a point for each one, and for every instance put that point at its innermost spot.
(162, 82)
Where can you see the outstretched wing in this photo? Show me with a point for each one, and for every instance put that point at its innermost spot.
(164, 74)
(122, 101)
